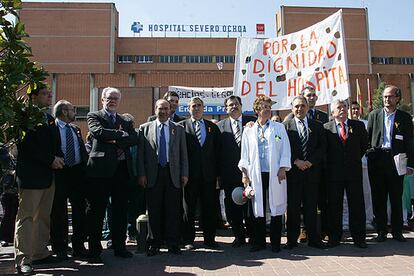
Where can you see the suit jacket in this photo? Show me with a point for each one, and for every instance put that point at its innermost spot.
(320, 116)
(316, 148)
(107, 138)
(344, 160)
(401, 138)
(36, 153)
(176, 118)
(82, 149)
(229, 156)
(202, 160)
(148, 158)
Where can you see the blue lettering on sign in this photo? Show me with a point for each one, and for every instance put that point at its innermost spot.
(204, 28)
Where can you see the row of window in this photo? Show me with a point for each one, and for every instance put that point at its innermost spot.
(174, 59)
(393, 60)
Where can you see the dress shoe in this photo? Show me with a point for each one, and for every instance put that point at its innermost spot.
(152, 251)
(94, 259)
(333, 243)
(174, 250)
(290, 245)
(319, 245)
(80, 253)
(381, 237)
(360, 244)
(48, 260)
(256, 248)
(189, 246)
(399, 237)
(5, 244)
(238, 243)
(275, 248)
(211, 244)
(123, 253)
(62, 255)
(25, 269)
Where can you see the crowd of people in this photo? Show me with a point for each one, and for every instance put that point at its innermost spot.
(338, 164)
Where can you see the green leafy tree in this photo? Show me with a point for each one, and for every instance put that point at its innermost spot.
(19, 76)
(377, 96)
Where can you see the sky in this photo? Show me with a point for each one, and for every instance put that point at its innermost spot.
(386, 22)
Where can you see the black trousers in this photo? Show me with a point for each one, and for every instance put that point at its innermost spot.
(323, 202)
(203, 192)
(237, 215)
(259, 223)
(101, 189)
(302, 191)
(69, 184)
(10, 203)
(385, 182)
(164, 201)
(356, 206)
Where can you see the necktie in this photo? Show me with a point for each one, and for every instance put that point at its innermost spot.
(304, 139)
(113, 118)
(70, 147)
(343, 133)
(311, 114)
(237, 134)
(198, 131)
(162, 151)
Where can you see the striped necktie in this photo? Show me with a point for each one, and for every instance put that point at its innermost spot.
(198, 131)
(70, 147)
(304, 139)
(237, 134)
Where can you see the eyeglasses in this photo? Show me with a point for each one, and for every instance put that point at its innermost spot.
(111, 99)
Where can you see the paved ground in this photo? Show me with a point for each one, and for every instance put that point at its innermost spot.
(388, 258)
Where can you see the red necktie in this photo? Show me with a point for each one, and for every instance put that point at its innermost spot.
(343, 133)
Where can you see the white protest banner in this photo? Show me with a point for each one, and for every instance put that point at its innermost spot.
(213, 98)
(280, 67)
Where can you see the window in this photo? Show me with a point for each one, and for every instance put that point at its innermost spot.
(171, 59)
(125, 59)
(383, 60)
(81, 112)
(225, 59)
(143, 59)
(199, 59)
(407, 60)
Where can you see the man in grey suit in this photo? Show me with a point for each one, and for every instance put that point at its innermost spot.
(163, 170)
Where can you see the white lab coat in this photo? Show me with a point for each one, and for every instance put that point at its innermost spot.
(279, 156)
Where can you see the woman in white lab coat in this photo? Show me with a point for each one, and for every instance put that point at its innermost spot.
(265, 158)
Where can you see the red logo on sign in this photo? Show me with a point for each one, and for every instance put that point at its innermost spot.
(260, 28)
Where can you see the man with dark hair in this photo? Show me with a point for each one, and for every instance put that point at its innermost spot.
(173, 98)
(390, 134)
(36, 161)
(307, 144)
(109, 168)
(230, 141)
(69, 184)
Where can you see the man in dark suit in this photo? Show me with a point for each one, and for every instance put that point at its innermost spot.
(173, 98)
(69, 184)
(202, 137)
(231, 130)
(307, 143)
(315, 114)
(390, 133)
(36, 161)
(163, 171)
(109, 168)
(346, 144)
